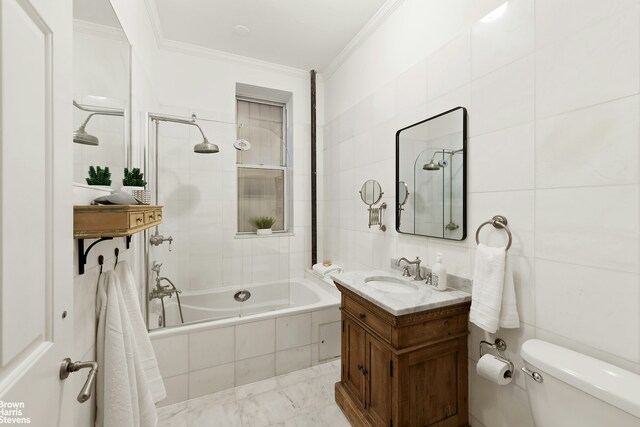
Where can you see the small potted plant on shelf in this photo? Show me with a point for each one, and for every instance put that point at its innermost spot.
(99, 176)
(134, 183)
(263, 224)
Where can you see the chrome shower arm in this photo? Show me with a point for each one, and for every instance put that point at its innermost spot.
(97, 111)
(177, 120)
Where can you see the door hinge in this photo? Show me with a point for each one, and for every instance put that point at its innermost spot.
(390, 368)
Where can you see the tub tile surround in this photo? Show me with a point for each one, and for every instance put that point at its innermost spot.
(199, 363)
(551, 88)
(301, 398)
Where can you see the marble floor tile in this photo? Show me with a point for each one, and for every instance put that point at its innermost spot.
(300, 398)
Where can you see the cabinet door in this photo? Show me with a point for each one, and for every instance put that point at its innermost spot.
(434, 385)
(353, 359)
(378, 374)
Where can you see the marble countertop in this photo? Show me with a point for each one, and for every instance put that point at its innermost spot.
(424, 298)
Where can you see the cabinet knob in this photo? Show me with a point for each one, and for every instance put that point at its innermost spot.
(362, 315)
(365, 371)
(360, 367)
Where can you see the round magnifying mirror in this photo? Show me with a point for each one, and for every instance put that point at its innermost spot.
(403, 193)
(371, 192)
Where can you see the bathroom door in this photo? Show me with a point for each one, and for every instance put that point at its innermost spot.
(36, 163)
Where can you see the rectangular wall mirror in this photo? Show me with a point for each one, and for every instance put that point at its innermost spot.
(431, 176)
(101, 91)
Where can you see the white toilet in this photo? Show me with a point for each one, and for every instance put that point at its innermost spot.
(568, 389)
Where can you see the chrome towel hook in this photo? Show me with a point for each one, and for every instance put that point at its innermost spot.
(498, 221)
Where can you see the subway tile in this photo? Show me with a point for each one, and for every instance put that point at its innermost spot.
(595, 306)
(503, 40)
(589, 67)
(293, 359)
(293, 331)
(177, 389)
(172, 354)
(557, 20)
(255, 339)
(255, 369)
(589, 147)
(449, 67)
(503, 98)
(589, 226)
(211, 380)
(211, 348)
(511, 150)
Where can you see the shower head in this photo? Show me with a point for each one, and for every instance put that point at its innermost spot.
(431, 166)
(81, 136)
(205, 147)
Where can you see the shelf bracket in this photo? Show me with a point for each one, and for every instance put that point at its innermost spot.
(82, 253)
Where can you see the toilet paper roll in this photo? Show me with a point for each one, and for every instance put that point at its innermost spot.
(494, 369)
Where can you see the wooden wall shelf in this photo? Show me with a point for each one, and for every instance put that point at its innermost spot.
(104, 222)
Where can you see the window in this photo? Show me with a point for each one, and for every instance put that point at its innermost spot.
(262, 170)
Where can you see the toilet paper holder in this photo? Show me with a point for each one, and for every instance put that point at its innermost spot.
(499, 345)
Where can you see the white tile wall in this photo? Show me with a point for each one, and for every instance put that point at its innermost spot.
(255, 339)
(552, 93)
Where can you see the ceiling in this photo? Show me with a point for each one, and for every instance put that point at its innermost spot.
(304, 34)
(96, 11)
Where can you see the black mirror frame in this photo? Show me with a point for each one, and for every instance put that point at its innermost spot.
(464, 181)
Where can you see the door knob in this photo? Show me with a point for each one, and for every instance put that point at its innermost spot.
(67, 366)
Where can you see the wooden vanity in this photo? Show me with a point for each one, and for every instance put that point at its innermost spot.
(403, 370)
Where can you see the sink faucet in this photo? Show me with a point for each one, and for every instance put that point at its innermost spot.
(416, 262)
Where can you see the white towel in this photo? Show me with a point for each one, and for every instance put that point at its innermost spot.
(123, 397)
(145, 349)
(493, 298)
(325, 271)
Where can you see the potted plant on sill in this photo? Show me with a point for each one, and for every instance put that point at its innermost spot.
(133, 183)
(263, 224)
(99, 177)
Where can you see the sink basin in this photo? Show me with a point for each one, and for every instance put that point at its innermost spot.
(390, 284)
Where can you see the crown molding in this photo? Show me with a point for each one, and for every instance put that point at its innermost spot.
(100, 30)
(372, 25)
(213, 54)
(219, 55)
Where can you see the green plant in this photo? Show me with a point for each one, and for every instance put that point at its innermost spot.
(99, 176)
(133, 178)
(262, 222)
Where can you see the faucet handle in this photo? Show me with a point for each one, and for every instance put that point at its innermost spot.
(405, 272)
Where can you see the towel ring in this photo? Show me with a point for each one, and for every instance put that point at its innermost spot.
(497, 221)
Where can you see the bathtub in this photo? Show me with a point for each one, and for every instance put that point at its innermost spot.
(284, 326)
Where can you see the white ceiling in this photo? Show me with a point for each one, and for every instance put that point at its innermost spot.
(96, 11)
(305, 34)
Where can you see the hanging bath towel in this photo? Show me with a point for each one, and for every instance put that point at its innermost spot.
(493, 296)
(123, 397)
(145, 349)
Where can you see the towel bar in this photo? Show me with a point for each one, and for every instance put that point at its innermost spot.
(497, 221)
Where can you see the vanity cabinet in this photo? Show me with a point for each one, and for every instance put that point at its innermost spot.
(408, 370)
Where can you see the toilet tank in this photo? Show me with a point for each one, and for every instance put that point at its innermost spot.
(578, 390)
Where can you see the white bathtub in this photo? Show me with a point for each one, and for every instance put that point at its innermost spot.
(283, 327)
(208, 308)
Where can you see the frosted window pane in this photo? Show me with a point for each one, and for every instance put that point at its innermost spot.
(260, 193)
(261, 125)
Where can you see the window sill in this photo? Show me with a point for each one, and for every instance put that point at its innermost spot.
(263, 236)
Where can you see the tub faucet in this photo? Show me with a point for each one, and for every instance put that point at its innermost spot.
(417, 262)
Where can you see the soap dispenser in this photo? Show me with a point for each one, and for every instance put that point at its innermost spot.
(439, 274)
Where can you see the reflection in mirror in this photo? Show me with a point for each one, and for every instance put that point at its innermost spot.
(431, 164)
(371, 192)
(403, 195)
(101, 90)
